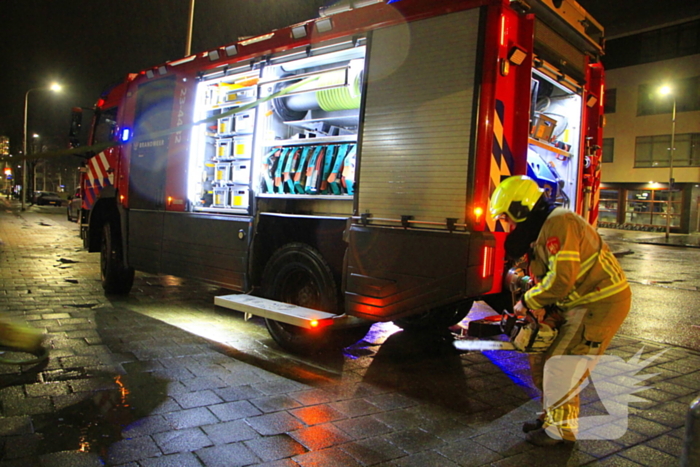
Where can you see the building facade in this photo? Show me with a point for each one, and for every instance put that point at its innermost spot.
(639, 160)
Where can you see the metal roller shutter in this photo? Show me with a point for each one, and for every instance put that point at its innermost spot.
(418, 119)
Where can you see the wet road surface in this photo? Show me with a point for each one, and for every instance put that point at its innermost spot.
(162, 377)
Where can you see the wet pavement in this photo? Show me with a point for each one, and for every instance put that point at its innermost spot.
(164, 378)
(618, 236)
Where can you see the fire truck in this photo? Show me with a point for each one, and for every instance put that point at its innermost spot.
(337, 172)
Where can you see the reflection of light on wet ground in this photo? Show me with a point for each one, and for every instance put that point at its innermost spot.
(171, 281)
(92, 421)
(377, 334)
(207, 330)
(513, 364)
(123, 390)
(83, 445)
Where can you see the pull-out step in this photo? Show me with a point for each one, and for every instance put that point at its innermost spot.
(278, 311)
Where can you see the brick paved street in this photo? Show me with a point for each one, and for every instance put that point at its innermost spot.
(164, 378)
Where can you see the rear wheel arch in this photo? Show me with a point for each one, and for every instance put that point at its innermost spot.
(323, 235)
(299, 274)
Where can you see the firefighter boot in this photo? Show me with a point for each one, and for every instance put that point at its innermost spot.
(532, 426)
(539, 437)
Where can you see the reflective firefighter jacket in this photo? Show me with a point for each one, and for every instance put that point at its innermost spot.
(573, 264)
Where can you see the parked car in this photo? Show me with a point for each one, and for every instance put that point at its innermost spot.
(48, 198)
(73, 209)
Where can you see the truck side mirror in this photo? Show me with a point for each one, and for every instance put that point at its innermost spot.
(76, 125)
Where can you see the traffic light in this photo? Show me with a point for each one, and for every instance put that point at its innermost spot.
(8, 173)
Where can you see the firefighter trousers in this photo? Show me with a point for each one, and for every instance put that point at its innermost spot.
(586, 331)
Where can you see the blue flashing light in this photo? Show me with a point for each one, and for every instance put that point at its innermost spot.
(126, 134)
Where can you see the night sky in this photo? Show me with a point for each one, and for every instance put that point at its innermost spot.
(88, 44)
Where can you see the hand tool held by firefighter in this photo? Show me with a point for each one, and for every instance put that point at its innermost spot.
(525, 335)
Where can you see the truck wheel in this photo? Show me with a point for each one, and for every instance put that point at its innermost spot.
(299, 275)
(438, 319)
(116, 278)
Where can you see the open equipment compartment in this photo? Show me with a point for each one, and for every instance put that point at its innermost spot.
(555, 134)
(222, 150)
(306, 141)
(302, 144)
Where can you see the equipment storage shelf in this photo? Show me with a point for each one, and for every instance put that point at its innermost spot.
(312, 141)
(221, 180)
(549, 147)
(310, 133)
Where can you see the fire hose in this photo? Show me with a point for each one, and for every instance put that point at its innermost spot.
(21, 339)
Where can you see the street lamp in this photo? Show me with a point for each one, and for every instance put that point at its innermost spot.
(666, 90)
(55, 87)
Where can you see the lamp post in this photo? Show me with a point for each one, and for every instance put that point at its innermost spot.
(190, 25)
(667, 90)
(55, 88)
(35, 143)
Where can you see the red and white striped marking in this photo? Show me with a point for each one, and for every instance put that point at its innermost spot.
(99, 176)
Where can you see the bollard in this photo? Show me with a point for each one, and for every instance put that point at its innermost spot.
(691, 447)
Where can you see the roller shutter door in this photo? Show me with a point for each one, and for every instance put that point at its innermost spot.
(418, 119)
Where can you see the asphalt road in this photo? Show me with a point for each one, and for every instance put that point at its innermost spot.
(665, 283)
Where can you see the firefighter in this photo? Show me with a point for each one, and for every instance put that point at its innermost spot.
(574, 272)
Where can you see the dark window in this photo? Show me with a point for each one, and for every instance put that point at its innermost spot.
(661, 44)
(608, 149)
(106, 126)
(685, 91)
(655, 151)
(610, 101)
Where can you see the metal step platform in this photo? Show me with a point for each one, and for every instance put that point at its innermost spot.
(278, 311)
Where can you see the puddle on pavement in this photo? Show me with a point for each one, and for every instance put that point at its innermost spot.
(93, 421)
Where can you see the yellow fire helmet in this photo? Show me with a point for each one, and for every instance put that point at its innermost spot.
(516, 197)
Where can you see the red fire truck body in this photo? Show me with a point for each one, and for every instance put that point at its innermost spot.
(345, 164)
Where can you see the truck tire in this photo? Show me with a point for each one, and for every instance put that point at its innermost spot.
(436, 320)
(117, 279)
(298, 274)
